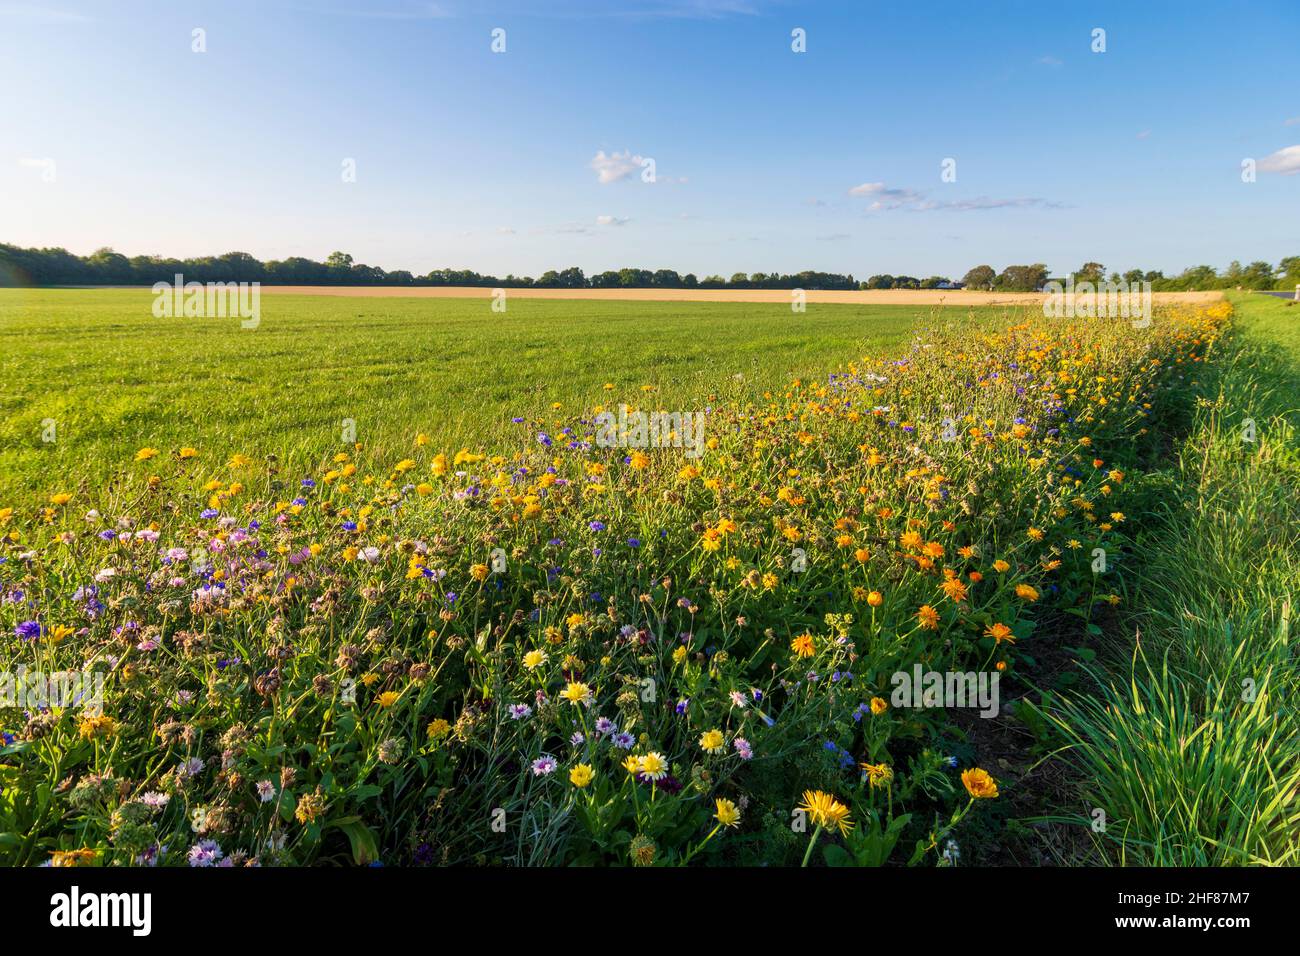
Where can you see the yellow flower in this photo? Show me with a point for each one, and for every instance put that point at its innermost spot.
(387, 699)
(825, 811)
(534, 659)
(581, 775)
(1027, 593)
(928, 618)
(878, 774)
(875, 599)
(712, 741)
(144, 454)
(238, 460)
(72, 858)
(479, 572)
(979, 784)
(1001, 566)
(727, 813)
(439, 464)
(62, 498)
(654, 766)
(188, 452)
(576, 692)
(639, 460)
(802, 646)
(310, 806)
(101, 726)
(438, 728)
(632, 764)
(878, 706)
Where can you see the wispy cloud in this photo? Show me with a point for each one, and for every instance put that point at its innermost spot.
(980, 203)
(679, 9)
(407, 11)
(612, 220)
(1285, 161)
(885, 198)
(1049, 60)
(39, 14)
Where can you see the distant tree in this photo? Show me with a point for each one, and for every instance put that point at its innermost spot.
(934, 282)
(109, 267)
(1258, 275)
(666, 279)
(1197, 279)
(572, 278)
(1022, 278)
(981, 277)
(1093, 272)
(880, 282)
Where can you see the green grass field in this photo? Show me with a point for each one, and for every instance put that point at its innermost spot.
(113, 378)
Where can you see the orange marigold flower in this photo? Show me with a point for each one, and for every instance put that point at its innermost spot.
(1000, 633)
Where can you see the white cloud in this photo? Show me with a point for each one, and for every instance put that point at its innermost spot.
(1049, 60)
(615, 166)
(1293, 121)
(1285, 161)
(886, 198)
(611, 220)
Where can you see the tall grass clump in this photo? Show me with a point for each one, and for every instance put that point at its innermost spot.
(1194, 754)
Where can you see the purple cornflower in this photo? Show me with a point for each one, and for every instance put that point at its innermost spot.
(205, 853)
(543, 765)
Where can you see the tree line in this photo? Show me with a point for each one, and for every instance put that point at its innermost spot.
(55, 267)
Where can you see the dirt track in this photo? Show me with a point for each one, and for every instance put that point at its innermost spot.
(924, 297)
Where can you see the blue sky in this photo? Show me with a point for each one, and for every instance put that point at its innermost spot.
(765, 159)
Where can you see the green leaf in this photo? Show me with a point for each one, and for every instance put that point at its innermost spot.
(836, 855)
(365, 848)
